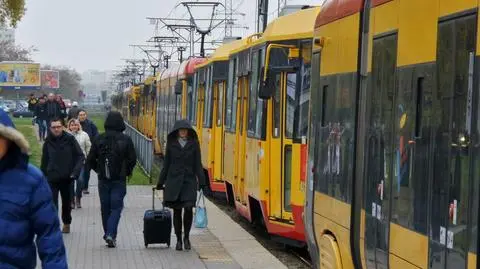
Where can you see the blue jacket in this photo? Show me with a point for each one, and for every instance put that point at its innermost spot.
(90, 128)
(26, 209)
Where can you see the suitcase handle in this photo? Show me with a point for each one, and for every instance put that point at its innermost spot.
(153, 199)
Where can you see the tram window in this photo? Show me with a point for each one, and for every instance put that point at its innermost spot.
(304, 102)
(207, 101)
(287, 184)
(220, 90)
(324, 105)
(195, 99)
(189, 100)
(179, 107)
(252, 102)
(235, 100)
(229, 95)
(290, 104)
(419, 107)
(277, 107)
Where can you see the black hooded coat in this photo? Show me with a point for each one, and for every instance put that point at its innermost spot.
(182, 166)
(124, 148)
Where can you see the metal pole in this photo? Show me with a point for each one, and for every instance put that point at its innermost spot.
(192, 42)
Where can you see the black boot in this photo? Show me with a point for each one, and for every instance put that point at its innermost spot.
(186, 241)
(179, 243)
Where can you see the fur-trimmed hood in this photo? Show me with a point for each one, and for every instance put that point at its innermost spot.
(8, 131)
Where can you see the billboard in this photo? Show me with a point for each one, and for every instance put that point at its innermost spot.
(50, 79)
(19, 76)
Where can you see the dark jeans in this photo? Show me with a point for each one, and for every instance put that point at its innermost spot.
(86, 177)
(111, 193)
(64, 189)
(76, 191)
(42, 128)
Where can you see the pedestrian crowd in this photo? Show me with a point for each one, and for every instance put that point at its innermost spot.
(29, 195)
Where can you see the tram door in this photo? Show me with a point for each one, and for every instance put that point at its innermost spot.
(379, 150)
(449, 211)
(241, 140)
(281, 145)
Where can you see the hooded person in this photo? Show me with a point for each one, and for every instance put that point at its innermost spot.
(181, 176)
(28, 218)
(73, 112)
(113, 157)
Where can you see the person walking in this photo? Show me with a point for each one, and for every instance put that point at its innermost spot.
(32, 102)
(28, 218)
(41, 117)
(63, 107)
(91, 129)
(53, 108)
(73, 112)
(181, 176)
(62, 161)
(83, 140)
(113, 157)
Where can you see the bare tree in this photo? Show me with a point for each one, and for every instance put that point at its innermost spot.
(11, 11)
(11, 52)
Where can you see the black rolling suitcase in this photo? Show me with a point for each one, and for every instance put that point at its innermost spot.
(157, 225)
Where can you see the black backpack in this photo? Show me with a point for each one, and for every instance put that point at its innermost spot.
(111, 158)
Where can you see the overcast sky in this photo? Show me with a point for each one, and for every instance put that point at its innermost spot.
(95, 34)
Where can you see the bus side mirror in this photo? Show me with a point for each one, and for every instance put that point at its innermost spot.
(179, 87)
(267, 87)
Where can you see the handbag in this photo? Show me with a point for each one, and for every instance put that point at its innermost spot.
(201, 220)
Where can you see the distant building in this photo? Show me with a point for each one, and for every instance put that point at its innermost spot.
(7, 34)
(95, 81)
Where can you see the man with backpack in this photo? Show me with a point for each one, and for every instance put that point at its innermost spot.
(113, 157)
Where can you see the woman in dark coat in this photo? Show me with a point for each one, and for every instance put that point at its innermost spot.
(182, 167)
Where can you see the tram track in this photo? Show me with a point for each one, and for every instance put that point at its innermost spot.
(292, 257)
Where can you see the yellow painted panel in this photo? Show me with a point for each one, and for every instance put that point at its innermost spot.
(397, 263)
(229, 157)
(362, 238)
(333, 209)
(339, 55)
(417, 37)
(409, 245)
(472, 261)
(297, 191)
(385, 17)
(341, 234)
(478, 38)
(252, 167)
(362, 253)
(448, 7)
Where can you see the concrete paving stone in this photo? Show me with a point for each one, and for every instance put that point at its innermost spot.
(86, 248)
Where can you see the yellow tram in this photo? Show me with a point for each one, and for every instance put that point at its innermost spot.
(211, 82)
(394, 135)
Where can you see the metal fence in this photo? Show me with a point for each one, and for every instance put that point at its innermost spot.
(143, 148)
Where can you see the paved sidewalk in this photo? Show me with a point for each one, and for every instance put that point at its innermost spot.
(86, 248)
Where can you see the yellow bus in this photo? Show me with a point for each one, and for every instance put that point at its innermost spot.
(394, 133)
